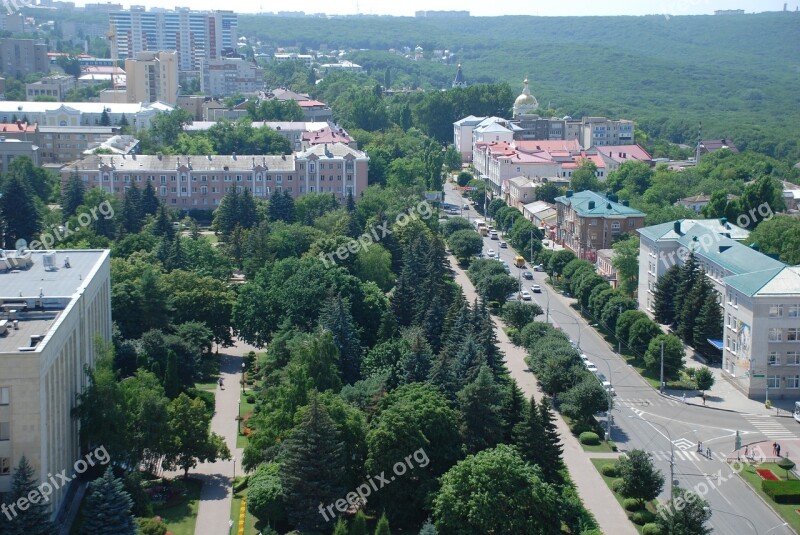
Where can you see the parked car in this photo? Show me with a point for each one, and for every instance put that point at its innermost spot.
(526, 296)
(527, 275)
(608, 388)
(536, 289)
(584, 358)
(503, 245)
(590, 366)
(466, 206)
(539, 267)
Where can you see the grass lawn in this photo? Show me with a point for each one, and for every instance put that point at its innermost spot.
(651, 506)
(603, 447)
(250, 521)
(786, 511)
(244, 410)
(181, 518)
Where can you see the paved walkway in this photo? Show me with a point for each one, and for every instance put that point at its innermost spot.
(215, 498)
(594, 493)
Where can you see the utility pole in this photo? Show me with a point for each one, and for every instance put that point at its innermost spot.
(661, 389)
(531, 247)
(619, 340)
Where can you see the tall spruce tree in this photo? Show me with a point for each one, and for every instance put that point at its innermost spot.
(108, 507)
(149, 203)
(443, 375)
(359, 525)
(428, 528)
(691, 305)
(335, 317)
(483, 327)
(18, 212)
(417, 360)
(163, 224)
(402, 300)
(311, 469)
(281, 207)
(666, 287)
(433, 323)
(529, 434)
(708, 324)
(514, 406)
(132, 210)
(382, 528)
(35, 520)
(481, 413)
(551, 445)
(72, 196)
(469, 361)
(226, 215)
(686, 280)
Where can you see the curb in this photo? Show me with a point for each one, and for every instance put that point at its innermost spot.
(674, 398)
(746, 484)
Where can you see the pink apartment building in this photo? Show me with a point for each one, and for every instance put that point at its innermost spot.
(200, 182)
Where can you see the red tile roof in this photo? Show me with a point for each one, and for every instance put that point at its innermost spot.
(625, 153)
(327, 135)
(19, 126)
(310, 103)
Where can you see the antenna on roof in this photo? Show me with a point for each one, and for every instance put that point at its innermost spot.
(21, 246)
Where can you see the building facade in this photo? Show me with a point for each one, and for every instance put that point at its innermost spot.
(11, 149)
(77, 114)
(63, 144)
(51, 86)
(200, 182)
(587, 222)
(227, 76)
(152, 77)
(52, 309)
(759, 297)
(21, 57)
(196, 36)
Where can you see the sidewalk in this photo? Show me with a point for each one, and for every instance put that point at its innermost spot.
(214, 510)
(594, 493)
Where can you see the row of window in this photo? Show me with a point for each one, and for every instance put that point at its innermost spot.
(791, 381)
(777, 311)
(215, 178)
(792, 358)
(792, 334)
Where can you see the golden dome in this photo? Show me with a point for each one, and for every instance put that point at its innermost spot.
(526, 101)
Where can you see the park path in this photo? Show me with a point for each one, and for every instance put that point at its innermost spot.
(594, 493)
(214, 511)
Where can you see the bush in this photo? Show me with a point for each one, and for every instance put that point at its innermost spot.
(651, 529)
(579, 428)
(589, 438)
(250, 398)
(240, 484)
(631, 504)
(265, 495)
(592, 532)
(152, 526)
(613, 446)
(617, 484)
(641, 518)
(782, 491)
(609, 470)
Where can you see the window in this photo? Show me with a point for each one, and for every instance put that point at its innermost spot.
(227, 178)
(203, 190)
(773, 381)
(793, 334)
(172, 178)
(775, 335)
(793, 358)
(5, 466)
(793, 381)
(615, 226)
(775, 311)
(772, 358)
(5, 431)
(5, 395)
(238, 178)
(163, 179)
(794, 311)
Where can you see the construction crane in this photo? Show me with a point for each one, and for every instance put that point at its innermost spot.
(112, 38)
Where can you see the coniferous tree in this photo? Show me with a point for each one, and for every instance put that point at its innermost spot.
(428, 528)
(35, 519)
(149, 203)
(388, 326)
(514, 406)
(481, 414)
(341, 527)
(402, 300)
(443, 375)
(666, 287)
(163, 224)
(172, 384)
(247, 214)
(433, 323)
(551, 445)
(692, 303)
(458, 330)
(383, 526)
(417, 360)
(469, 361)
(335, 317)
(359, 525)
(281, 207)
(311, 471)
(132, 210)
(483, 327)
(686, 280)
(708, 324)
(177, 258)
(18, 212)
(72, 197)
(226, 215)
(350, 203)
(108, 507)
(529, 434)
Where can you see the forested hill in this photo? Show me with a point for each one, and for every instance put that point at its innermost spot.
(736, 74)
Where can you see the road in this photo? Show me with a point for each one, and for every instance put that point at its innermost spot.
(643, 419)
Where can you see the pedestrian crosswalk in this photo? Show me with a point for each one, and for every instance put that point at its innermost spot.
(637, 403)
(691, 455)
(769, 426)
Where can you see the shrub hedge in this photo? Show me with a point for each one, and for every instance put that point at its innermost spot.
(609, 470)
(651, 529)
(782, 491)
(642, 517)
(590, 439)
(631, 504)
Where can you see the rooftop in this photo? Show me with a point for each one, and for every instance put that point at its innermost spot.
(40, 294)
(588, 203)
(19, 126)
(21, 107)
(625, 153)
(666, 231)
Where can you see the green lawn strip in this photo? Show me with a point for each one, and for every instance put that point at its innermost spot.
(598, 463)
(603, 447)
(250, 522)
(244, 410)
(786, 511)
(181, 518)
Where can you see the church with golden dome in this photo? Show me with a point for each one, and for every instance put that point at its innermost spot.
(525, 104)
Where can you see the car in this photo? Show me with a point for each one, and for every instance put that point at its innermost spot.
(526, 296)
(494, 236)
(584, 358)
(503, 245)
(490, 252)
(590, 366)
(527, 275)
(536, 289)
(608, 388)
(466, 206)
(538, 267)
(453, 211)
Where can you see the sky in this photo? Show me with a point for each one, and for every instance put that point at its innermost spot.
(484, 7)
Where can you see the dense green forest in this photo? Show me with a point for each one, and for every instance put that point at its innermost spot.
(736, 75)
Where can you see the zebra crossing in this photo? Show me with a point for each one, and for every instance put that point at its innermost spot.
(769, 426)
(637, 403)
(690, 455)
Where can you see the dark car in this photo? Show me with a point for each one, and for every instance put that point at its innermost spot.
(527, 275)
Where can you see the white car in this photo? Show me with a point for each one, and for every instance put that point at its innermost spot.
(503, 245)
(490, 252)
(526, 296)
(536, 289)
(608, 388)
(590, 366)
(494, 236)
(584, 358)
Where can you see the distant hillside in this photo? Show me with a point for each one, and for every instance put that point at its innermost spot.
(736, 74)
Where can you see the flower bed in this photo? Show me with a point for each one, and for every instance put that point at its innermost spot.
(767, 474)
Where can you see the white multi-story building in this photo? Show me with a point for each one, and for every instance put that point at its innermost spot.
(759, 297)
(77, 114)
(52, 307)
(152, 77)
(227, 76)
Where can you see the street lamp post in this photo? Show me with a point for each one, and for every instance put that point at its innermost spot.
(243, 368)
(671, 452)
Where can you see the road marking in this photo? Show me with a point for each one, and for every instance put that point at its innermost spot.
(646, 402)
(688, 456)
(769, 426)
(684, 444)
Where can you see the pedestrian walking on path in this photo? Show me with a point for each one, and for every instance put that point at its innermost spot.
(774, 448)
(778, 449)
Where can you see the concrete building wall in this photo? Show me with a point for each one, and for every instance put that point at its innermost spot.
(21, 57)
(153, 76)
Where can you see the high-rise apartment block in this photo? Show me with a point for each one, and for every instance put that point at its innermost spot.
(152, 77)
(196, 36)
(21, 57)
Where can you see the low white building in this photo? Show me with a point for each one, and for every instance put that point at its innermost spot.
(80, 113)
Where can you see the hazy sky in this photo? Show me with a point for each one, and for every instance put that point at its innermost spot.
(485, 7)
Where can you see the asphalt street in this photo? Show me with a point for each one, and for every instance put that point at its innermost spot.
(665, 427)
